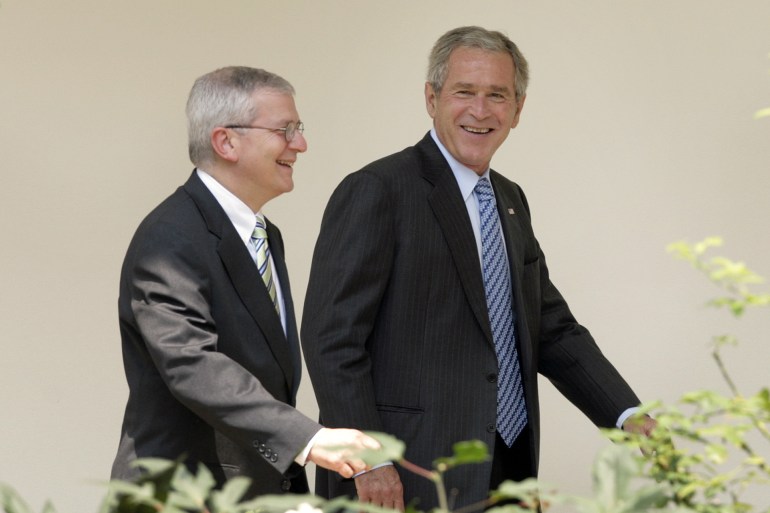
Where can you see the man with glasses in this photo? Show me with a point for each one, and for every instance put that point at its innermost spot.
(210, 344)
(430, 311)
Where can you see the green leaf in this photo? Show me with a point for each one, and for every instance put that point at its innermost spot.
(515, 490)
(192, 490)
(283, 503)
(709, 242)
(343, 504)
(48, 507)
(645, 499)
(391, 449)
(126, 487)
(508, 508)
(473, 451)
(184, 499)
(154, 465)
(11, 501)
(227, 498)
(612, 473)
(716, 453)
(129, 497)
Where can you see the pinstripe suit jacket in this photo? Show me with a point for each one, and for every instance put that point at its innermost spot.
(211, 375)
(396, 332)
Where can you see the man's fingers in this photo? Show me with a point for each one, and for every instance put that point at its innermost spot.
(346, 471)
(334, 449)
(381, 487)
(357, 466)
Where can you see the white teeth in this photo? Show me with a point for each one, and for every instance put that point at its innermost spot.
(285, 163)
(477, 130)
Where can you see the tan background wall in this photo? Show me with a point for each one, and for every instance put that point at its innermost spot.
(638, 131)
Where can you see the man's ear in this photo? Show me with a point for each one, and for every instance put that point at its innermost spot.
(519, 107)
(224, 142)
(430, 99)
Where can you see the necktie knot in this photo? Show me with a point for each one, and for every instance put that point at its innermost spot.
(262, 258)
(260, 229)
(483, 190)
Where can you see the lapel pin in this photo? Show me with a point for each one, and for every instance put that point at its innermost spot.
(511, 211)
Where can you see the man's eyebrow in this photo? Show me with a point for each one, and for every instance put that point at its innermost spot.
(469, 85)
(500, 89)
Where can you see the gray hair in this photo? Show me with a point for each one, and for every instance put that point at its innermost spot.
(224, 97)
(475, 37)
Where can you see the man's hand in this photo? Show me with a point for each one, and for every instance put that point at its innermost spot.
(333, 448)
(640, 424)
(381, 487)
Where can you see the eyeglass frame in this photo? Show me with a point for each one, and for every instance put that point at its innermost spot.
(289, 131)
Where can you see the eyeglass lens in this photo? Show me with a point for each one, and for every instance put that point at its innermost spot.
(292, 129)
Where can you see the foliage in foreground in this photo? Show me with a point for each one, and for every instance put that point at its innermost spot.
(708, 452)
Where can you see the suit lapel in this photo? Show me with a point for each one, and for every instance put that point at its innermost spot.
(508, 209)
(244, 276)
(452, 215)
(276, 249)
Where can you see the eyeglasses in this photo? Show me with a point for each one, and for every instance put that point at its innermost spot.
(289, 131)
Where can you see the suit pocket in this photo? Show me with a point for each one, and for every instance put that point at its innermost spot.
(398, 409)
(401, 422)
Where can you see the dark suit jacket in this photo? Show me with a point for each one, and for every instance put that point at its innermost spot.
(211, 374)
(396, 332)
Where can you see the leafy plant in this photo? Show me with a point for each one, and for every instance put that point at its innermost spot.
(705, 451)
(11, 502)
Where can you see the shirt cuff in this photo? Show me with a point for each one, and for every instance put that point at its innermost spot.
(301, 458)
(374, 467)
(624, 416)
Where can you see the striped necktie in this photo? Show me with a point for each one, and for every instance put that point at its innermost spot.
(511, 408)
(262, 250)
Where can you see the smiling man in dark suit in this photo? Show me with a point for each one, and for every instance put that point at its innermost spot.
(430, 311)
(210, 343)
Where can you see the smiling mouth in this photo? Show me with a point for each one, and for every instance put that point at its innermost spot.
(286, 163)
(475, 130)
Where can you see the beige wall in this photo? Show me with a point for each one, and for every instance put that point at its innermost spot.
(637, 131)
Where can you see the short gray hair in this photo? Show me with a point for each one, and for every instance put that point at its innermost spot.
(475, 37)
(224, 97)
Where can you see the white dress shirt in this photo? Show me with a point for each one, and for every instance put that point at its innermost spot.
(244, 220)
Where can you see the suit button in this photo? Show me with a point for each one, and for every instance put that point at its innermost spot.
(274, 458)
(255, 443)
(261, 448)
(285, 485)
(492, 377)
(268, 452)
(491, 428)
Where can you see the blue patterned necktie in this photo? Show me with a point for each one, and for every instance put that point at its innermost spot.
(259, 239)
(511, 408)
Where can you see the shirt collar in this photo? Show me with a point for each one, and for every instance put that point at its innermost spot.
(466, 177)
(242, 217)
